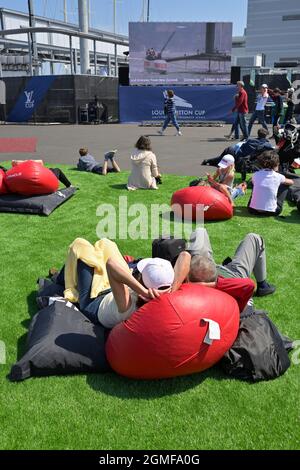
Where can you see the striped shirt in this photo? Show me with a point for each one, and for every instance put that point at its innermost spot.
(170, 105)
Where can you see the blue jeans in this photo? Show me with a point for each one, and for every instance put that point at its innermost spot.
(89, 307)
(171, 118)
(260, 116)
(237, 192)
(240, 121)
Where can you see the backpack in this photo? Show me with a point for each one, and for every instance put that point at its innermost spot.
(259, 352)
(168, 248)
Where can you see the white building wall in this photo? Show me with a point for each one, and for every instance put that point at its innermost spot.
(274, 29)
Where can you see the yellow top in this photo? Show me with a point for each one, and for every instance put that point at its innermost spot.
(94, 256)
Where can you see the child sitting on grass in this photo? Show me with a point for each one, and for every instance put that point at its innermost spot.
(223, 179)
(270, 188)
(88, 163)
(145, 173)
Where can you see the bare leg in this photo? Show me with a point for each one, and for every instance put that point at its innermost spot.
(104, 168)
(115, 165)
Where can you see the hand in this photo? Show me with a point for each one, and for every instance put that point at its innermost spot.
(150, 294)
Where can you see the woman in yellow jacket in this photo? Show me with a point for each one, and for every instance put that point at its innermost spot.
(98, 279)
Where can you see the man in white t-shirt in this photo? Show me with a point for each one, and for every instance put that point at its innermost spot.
(270, 188)
(259, 113)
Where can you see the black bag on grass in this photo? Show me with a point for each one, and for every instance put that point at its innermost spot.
(61, 341)
(168, 248)
(259, 352)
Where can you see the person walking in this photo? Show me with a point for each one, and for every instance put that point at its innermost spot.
(290, 106)
(276, 96)
(170, 113)
(241, 109)
(259, 113)
(231, 135)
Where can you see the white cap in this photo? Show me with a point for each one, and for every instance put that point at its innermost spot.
(264, 85)
(226, 161)
(156, 272)
(291, 90)
(297, 161)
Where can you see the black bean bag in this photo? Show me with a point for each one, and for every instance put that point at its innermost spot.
(38, 205)
(61, 341)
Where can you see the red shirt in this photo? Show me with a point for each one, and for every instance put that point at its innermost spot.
(240, 289)
(241, 104)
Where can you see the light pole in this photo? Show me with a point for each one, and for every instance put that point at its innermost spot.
(115, 30)
(84, 43)
(65, 11)
(148, 11)
(32, 44)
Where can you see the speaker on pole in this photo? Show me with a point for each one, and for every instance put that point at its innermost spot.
(235, 75)
(124, 75)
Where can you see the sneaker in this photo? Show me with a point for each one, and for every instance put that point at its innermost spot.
(262, 292)
(161, 132)
(110, 155)
(179, 133)
(227, 261)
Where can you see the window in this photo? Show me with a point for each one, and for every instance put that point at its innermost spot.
(291, 18)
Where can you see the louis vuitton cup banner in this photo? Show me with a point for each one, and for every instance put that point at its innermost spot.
(202, 103)
(30, 98)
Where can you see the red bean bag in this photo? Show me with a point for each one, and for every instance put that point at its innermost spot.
(168, 337)
(3, 187)
(216, 205)
(31, 179)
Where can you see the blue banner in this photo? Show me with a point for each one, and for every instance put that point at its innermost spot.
(202, 103)
(31, 97)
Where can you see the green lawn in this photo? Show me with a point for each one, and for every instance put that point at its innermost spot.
(205, 411)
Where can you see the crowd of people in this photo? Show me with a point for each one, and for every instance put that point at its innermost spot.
(270, 188)
(241, 109)
(109, 287)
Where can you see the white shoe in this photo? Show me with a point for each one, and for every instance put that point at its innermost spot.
(179, 133)
(161, 132)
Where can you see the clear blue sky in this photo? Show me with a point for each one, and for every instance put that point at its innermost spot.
(131, 10)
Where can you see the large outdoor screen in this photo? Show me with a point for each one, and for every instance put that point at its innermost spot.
(180, 53)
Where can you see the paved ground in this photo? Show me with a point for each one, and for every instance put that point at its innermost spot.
(178, 155)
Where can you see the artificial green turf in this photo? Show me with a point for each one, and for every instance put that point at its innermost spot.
(205, 411)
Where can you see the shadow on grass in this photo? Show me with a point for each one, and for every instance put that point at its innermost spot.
(118, 186)
(128, 389)
(292, 218)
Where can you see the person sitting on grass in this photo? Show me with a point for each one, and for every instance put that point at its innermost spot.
(88, 163)
(144, 174)
(99, 280)
(223, 179)
(270, 188)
